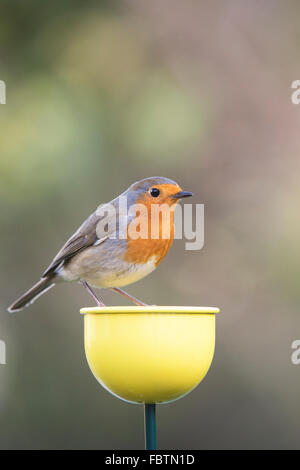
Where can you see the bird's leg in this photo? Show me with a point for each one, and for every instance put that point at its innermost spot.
(130, 297)
(98, 301)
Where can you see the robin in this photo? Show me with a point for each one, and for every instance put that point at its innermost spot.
(99, 255)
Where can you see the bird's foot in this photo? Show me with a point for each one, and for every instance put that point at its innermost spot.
(130, 297)
(90, 291)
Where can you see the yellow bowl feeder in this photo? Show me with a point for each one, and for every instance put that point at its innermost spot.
(149, 354)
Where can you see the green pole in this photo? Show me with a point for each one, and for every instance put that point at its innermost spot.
(150, 426)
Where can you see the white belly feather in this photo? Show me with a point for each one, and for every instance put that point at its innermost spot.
(134, 273)
(122, 274)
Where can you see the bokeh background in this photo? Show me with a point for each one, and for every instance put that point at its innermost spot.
(100, 94)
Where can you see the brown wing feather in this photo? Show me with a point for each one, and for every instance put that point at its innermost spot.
(85, 236)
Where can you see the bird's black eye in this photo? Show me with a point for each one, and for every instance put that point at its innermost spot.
(155, 192)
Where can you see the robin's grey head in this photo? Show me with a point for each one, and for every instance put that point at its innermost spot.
(156, 189)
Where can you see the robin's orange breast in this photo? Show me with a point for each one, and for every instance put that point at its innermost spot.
(154, 241)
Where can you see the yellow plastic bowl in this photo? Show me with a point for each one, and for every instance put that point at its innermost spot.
(149, 354)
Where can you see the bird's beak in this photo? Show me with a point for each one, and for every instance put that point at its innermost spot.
(181, 194)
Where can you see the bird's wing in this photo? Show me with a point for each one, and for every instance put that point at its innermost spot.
(87, 235)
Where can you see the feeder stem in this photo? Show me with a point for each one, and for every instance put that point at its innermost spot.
(150, 426)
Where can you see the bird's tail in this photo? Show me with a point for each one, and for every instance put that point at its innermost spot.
(30, 296)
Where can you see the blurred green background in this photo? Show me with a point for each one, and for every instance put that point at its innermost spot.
(99, 95)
